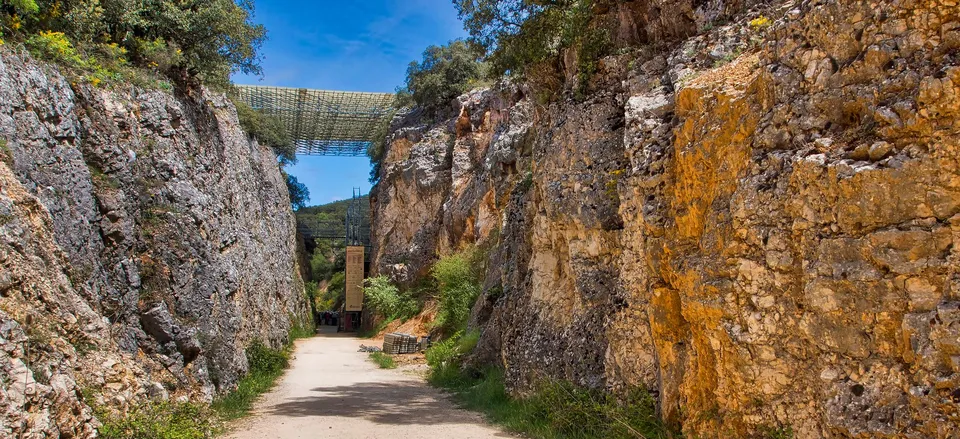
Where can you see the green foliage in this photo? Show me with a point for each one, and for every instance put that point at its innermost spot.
(558, 409)
(6, 155)
(266, 366)
(23, 7)
(457, 279)
(160, 420)
(385, 299)
(335, 214)
(168, 420)
(328, 257)
(777, 432)
(299, 194)
(383, 360)
(520, 34)
(336, 210)
(444, 361)
(526, 183)
(301, 328)
(378, 148)
(760, 23)
(268, 130)
(207, 40)
(336, 289)
(444, 73)
(55, 46)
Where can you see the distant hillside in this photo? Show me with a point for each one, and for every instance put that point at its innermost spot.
(329, 218)
(331, 211)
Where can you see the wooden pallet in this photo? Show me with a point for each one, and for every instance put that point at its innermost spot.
(397, 343)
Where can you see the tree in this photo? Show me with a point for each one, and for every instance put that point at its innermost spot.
(203, 39)
(268, 130)
(299, 194)
(517, 34)
(444, 73)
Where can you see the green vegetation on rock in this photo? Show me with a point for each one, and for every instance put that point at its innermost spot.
(555, 409)
(457, 279)
(444, 73)
(520, 35)
(266, 366)
(268, 130)
(299, 194)
(204, 41)
(161, 420)
(385, 299)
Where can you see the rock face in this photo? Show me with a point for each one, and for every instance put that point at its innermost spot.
(144, 242)
(760, 225)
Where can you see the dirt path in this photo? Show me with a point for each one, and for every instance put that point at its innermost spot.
(332, 391)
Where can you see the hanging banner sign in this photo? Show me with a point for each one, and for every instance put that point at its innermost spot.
(354, 278)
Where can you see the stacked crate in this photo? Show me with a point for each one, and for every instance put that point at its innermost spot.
(397, 343)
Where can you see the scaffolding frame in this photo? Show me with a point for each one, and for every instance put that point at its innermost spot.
(323, 122)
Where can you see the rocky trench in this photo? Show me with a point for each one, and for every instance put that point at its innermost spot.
(757, 224)
(144, 242)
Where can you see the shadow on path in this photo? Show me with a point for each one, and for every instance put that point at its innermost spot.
(383, 403)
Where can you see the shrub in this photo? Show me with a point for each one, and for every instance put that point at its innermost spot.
(157, 54)
(337, 287)
(378, 147)
(383, 360)
(299, 194)
(557, 409)
(160, 420)
(385, 299)
(444, 361)
(444, 73)
(55, 46)
(457, 280)
(323, 262)
(23, 7)
(760, 23)
(263, 359)
(266, 365)
(268, 130)
(301, 328)
(519, 34)
(206, 40)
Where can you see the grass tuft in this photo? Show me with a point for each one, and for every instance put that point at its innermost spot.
(266, 366)
(556, 409)
(383, 360)
(161, 420)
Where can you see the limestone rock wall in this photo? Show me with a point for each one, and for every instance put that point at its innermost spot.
(144, 242)
(757, 224)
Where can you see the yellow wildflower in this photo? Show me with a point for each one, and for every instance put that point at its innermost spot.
(760, 22)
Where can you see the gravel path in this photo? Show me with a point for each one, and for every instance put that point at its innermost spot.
(333, 391)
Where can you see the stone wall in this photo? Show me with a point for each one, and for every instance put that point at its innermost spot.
(144, 242)
(758, 224)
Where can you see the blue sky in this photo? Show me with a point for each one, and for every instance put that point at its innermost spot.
(352, 45)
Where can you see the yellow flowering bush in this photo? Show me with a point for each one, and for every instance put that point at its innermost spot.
(55, 46)
(760, 23)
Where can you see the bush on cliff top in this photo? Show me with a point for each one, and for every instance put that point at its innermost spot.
(444, 73)
(519, 34)
(204, 40)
